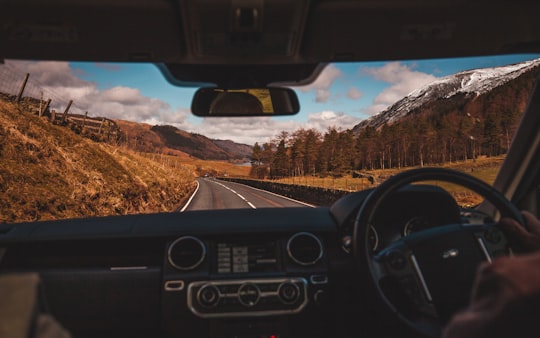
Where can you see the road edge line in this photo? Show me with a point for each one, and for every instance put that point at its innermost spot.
(191, 198)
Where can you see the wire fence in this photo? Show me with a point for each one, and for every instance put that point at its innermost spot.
(12, 81)
(19, 86)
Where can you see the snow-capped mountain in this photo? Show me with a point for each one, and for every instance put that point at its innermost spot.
(472, 83)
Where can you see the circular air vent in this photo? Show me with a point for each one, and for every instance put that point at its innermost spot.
(186, 253)
(304, 248)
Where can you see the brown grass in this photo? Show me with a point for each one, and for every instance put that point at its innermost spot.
(48, 172)
(485, 169)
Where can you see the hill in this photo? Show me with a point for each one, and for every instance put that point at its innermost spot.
(462, 116)
(170, 140)
(238, 150)
(468, 115)
(50, 172)
(462, 87)
(140, 137)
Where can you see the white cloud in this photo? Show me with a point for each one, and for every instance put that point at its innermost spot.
(325, 119)
(403, 80)
(354, 93)
(122, 95)
(249, 130)
(246, 130)
(321, 86)
(60, 82)
(49, 73)
(322, 95)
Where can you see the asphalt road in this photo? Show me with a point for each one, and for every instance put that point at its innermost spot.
(216, 194)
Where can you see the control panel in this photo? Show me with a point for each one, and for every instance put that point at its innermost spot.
(250, 297)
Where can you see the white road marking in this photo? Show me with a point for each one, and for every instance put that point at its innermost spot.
(237, 194)
(278, 195)
(191, 198)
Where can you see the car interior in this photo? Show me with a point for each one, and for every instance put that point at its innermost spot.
(340, 271)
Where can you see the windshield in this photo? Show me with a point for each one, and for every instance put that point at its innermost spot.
(95, 139)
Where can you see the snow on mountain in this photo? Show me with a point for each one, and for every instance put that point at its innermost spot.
(471, 82)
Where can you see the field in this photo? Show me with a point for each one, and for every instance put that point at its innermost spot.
(485, 169)
(200, 168)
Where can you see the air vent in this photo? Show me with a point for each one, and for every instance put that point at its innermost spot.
(304, 248)
(186, 253)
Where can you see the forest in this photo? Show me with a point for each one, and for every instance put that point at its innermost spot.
(461, 127)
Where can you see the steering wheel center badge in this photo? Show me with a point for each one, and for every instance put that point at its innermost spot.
(451, 253)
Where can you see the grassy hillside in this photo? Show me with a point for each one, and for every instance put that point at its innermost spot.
(49, 172)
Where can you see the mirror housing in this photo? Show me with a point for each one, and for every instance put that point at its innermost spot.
(272, 101)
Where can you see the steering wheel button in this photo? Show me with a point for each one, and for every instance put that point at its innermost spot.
(410, 287)
(396, 260)
(492, 235)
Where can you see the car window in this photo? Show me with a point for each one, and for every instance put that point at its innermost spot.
(94, 139)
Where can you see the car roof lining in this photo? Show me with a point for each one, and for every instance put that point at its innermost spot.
(316, 31)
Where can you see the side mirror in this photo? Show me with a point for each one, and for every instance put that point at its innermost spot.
(209, 102)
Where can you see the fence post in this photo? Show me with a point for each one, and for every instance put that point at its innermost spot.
(101, 126)
(21, 90)
(40, 104)
(45, 107)
(109, 130)
(64, 118)
(84, 120)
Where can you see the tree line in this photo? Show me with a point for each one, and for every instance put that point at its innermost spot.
(458, 128)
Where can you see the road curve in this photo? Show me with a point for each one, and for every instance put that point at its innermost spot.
(216, 194)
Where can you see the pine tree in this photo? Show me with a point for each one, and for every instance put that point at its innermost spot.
(257, 165)
(280, 164)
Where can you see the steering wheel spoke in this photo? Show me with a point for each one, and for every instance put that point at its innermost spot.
(492, 241)
(401, 280)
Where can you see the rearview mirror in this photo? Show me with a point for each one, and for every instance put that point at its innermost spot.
(244, 102)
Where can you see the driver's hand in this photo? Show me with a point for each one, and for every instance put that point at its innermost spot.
(524, 239)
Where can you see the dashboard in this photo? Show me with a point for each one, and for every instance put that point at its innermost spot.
(221, 273)
(224, 273)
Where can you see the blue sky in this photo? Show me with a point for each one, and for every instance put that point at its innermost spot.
(342, 96)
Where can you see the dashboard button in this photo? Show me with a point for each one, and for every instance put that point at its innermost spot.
(249, 294)
(208, 296)
(289, 292)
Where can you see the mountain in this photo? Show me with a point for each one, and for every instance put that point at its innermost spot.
(467, 86)
(238, 149)
(141, 137)
(173, 141)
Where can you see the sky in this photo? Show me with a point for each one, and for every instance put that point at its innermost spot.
(343, 95)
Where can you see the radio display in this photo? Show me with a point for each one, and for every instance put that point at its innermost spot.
(243, 257)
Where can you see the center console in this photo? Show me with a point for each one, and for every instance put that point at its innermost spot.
(250, 297)
(244, 287)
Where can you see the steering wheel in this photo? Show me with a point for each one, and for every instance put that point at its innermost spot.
(424, 278)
